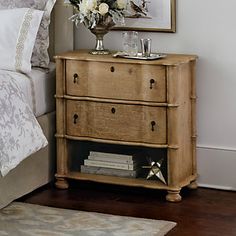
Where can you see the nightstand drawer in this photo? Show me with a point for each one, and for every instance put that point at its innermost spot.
(116, 80)
(121, 122)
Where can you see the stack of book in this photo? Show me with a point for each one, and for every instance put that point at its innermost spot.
(110, 164)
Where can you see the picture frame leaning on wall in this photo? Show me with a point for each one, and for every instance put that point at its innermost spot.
(150, 15)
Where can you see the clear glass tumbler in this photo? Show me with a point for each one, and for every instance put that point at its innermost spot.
(146, 47)
(130, 43)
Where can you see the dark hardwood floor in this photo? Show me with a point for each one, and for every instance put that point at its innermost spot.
(201, 212)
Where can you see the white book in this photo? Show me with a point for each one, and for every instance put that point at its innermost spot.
(111, 155)
(111, 159)
(114, 165)
(108, 171)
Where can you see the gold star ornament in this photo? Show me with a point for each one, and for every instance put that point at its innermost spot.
(155, 170)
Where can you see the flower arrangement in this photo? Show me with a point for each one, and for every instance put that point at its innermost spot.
(99, 12)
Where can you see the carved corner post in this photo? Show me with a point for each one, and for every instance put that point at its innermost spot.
(173, 134)
(62, 168)
(193, 184)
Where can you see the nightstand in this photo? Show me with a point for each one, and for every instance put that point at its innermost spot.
(121, 102)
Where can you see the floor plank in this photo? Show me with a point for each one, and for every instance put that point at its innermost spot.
(202, 212)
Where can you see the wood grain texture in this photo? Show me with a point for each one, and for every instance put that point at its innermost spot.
(129, 102)
(131, 81)
(83, 55)
(118, 122)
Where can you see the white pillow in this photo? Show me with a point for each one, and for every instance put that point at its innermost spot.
(40, 55)
(18, 30)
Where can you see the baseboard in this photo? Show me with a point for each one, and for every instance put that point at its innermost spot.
(216, 167)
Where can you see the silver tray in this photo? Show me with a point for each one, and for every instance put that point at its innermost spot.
(153, 56)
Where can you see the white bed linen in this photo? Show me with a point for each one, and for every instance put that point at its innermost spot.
(20, 133)
(18, 30)
(39, 89)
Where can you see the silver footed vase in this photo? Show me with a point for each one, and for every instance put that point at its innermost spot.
(101, 29)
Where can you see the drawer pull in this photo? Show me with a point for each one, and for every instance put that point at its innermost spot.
(153, 123)
(75, 76)
(152, 81)
(112, 68)
(75, 118)
(113, 110)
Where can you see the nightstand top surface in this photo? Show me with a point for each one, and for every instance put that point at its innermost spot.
(84, 55)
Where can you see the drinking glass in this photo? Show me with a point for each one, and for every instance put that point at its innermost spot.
(146, 47)
(130, 43)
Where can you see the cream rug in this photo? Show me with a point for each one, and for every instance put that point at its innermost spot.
(27, 219)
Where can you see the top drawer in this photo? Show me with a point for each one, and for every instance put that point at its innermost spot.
(116, 80)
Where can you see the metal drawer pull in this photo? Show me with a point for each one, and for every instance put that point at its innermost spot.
(153, 123)
(112, 69)
(75, 76)
(75, 118)
(152, 81)
(113, 110)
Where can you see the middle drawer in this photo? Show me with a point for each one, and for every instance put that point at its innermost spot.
(114, 121)
(124, 81)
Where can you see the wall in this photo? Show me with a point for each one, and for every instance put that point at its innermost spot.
(206, 28)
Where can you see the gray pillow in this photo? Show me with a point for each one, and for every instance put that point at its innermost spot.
(40, 57)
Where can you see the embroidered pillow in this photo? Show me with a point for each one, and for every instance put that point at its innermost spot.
(18, 30)
(40, 57)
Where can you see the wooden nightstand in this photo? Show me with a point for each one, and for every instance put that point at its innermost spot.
(130, 103)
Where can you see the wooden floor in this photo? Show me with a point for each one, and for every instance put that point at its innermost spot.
(201, 212)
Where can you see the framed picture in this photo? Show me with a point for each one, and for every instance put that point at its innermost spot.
(150, 15)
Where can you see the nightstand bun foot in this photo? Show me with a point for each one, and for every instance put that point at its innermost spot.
(193, 185)
(61, 183)
(173, 196)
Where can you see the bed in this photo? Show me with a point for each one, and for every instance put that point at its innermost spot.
(38, 169)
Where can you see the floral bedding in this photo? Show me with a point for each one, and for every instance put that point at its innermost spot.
(20, 133)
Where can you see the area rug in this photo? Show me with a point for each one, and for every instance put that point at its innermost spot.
(27, 219)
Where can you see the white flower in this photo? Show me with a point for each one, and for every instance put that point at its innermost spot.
(91, 4)
(103, 8)
(121, 4)
(83, 8)
(87, 5)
